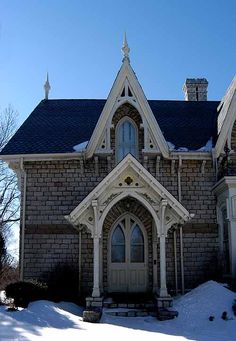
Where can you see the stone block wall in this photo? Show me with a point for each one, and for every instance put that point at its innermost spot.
(55, 188)
(46, 247)
(86, 263)
(196, 188)
(200, 253)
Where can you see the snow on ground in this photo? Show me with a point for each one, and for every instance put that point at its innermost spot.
(46, 320)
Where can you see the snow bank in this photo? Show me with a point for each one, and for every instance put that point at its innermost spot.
(210, 298)
(44, 320)
(80, 147)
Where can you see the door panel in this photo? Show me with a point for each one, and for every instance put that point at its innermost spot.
(127, 266)
(118, 280)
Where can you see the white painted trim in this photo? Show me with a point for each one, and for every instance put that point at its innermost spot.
(22, 222)
(134, 195)
(228, 115)
(114, 225)
(124, 119)
(78, 155)
(223, 184)
(191, 155)
(126, 73)
(130, 161)
(127, 236)
(42, 157)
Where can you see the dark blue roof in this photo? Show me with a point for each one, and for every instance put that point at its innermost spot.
(55, 126)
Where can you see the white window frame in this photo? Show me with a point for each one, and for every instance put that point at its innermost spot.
(124, 119)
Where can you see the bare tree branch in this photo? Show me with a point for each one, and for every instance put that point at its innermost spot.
(9, 195)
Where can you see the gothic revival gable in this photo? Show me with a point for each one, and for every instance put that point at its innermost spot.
(226, 119)
(126, 92)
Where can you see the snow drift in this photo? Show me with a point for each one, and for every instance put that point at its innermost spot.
(44, 320)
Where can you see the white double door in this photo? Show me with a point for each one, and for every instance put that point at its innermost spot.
(127, 263)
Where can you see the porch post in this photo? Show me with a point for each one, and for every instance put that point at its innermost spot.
(163, 288)
(96, 251)
(154, 252)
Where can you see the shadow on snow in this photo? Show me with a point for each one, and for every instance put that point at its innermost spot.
(41, 314)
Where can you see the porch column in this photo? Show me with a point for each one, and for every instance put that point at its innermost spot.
(163, 289)
(96, 249)
(154, 252)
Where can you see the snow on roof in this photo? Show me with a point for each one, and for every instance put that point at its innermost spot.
(81, 146)
(207, 147)
(171, 146)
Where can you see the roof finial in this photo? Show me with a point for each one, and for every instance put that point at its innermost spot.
(47, 87)
(125, 48)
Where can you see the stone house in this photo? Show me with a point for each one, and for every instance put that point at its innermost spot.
(139, 195)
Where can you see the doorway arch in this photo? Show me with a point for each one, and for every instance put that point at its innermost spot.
(128, 255)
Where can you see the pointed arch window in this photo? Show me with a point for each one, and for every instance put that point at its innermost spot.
(126, 137)
(118, 246)
(137, 245)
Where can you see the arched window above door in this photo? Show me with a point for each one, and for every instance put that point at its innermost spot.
(126, 139)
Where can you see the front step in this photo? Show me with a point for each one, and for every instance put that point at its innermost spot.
(122, 312)
(164, 314)
(129, 309)
(130, 302)
(112, 305)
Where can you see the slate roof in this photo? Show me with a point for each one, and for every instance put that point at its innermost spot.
(55, 126)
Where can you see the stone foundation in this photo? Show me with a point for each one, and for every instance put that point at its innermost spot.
(94, 302)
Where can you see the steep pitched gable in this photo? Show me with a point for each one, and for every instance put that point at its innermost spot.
(128, 179)
(126, 89)
(226, 118)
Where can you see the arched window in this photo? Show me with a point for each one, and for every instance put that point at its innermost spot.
(118, 246)
(126, 139)
(137, 245)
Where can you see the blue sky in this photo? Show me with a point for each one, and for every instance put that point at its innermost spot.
(78, 43)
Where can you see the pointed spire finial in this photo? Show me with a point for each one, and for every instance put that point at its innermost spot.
(47, 87)
(125, 48)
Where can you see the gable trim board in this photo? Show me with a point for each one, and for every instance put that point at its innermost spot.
(108, 193)
(11, 159)
(226, 118)
(139, 101)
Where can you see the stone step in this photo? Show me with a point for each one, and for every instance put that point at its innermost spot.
(166, 314)
(122, 312)
(111, 305)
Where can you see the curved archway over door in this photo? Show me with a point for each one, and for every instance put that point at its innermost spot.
(127, 263)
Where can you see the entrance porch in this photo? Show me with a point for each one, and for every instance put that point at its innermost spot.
(129, 215)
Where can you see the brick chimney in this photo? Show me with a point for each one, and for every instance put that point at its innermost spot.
(195, 89)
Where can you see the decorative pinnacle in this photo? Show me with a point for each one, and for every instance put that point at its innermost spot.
(47, 87)
(125, 48)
